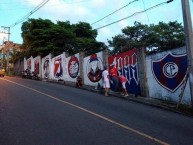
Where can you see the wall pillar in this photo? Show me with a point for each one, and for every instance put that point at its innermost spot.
(81, 65)
(105, 57)
(142, 72)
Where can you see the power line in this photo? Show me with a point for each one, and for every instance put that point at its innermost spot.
(114, 11)
(144, 9)
(136, 13)
(29, 14)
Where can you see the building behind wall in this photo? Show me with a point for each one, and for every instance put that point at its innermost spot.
(5, 49)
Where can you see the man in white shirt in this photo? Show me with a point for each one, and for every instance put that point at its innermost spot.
(105, 78)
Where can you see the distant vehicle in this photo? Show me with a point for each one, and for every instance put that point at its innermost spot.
(2, 72)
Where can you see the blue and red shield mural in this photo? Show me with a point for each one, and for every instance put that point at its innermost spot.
(170, 71)
(126, 64)
(58, 71)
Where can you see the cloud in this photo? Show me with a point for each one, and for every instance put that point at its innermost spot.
(82, 12)
(98, 4)
(60, 10)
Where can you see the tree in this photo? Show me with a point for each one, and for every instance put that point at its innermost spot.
(43, 36)
(154, 38)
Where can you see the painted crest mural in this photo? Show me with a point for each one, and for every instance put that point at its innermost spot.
(29, 64)
(126, 64)
(170, 71)
(37, 66)
(94, 68)
(58, 71)
(73, 67)
(46, 68)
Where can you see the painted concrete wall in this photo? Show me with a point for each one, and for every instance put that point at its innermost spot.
(57, 67)
(165, 71)
(93, 66)
(126, 64)
(37, 65)
(72, 68)
(165, 75)
(28, 64)
(46, 67)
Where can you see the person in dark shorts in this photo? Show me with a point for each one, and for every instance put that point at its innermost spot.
(79, 82)
(114, 78)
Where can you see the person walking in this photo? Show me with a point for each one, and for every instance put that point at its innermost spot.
(123, 81)
(105, 79)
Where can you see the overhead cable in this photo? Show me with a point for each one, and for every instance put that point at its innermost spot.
(114, 12)
(144, 9)
(136, 13)
(30, 13)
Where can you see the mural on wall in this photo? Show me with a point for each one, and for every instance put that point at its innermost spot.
(126, 64)
(58, 70)
(170, 71)
(93, 66)
(46, 66)
(166, 73)
(29, 62)
(73, 66)
(37, 65)
(57, 67)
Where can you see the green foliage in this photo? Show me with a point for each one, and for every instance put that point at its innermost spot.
(41, 37)
(154, 38)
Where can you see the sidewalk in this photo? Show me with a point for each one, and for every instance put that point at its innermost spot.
(170, 106)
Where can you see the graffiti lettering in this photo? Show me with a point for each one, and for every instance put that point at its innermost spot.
(127, 66)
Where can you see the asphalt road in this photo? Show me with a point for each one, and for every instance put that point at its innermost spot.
(41, 113)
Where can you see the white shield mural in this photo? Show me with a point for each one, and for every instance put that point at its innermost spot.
(71, 68)
(93, 66)
(165, 73)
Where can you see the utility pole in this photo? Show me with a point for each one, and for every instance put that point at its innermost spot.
(8, 32)
(189, 43)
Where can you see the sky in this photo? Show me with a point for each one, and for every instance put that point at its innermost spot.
(89, 11)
